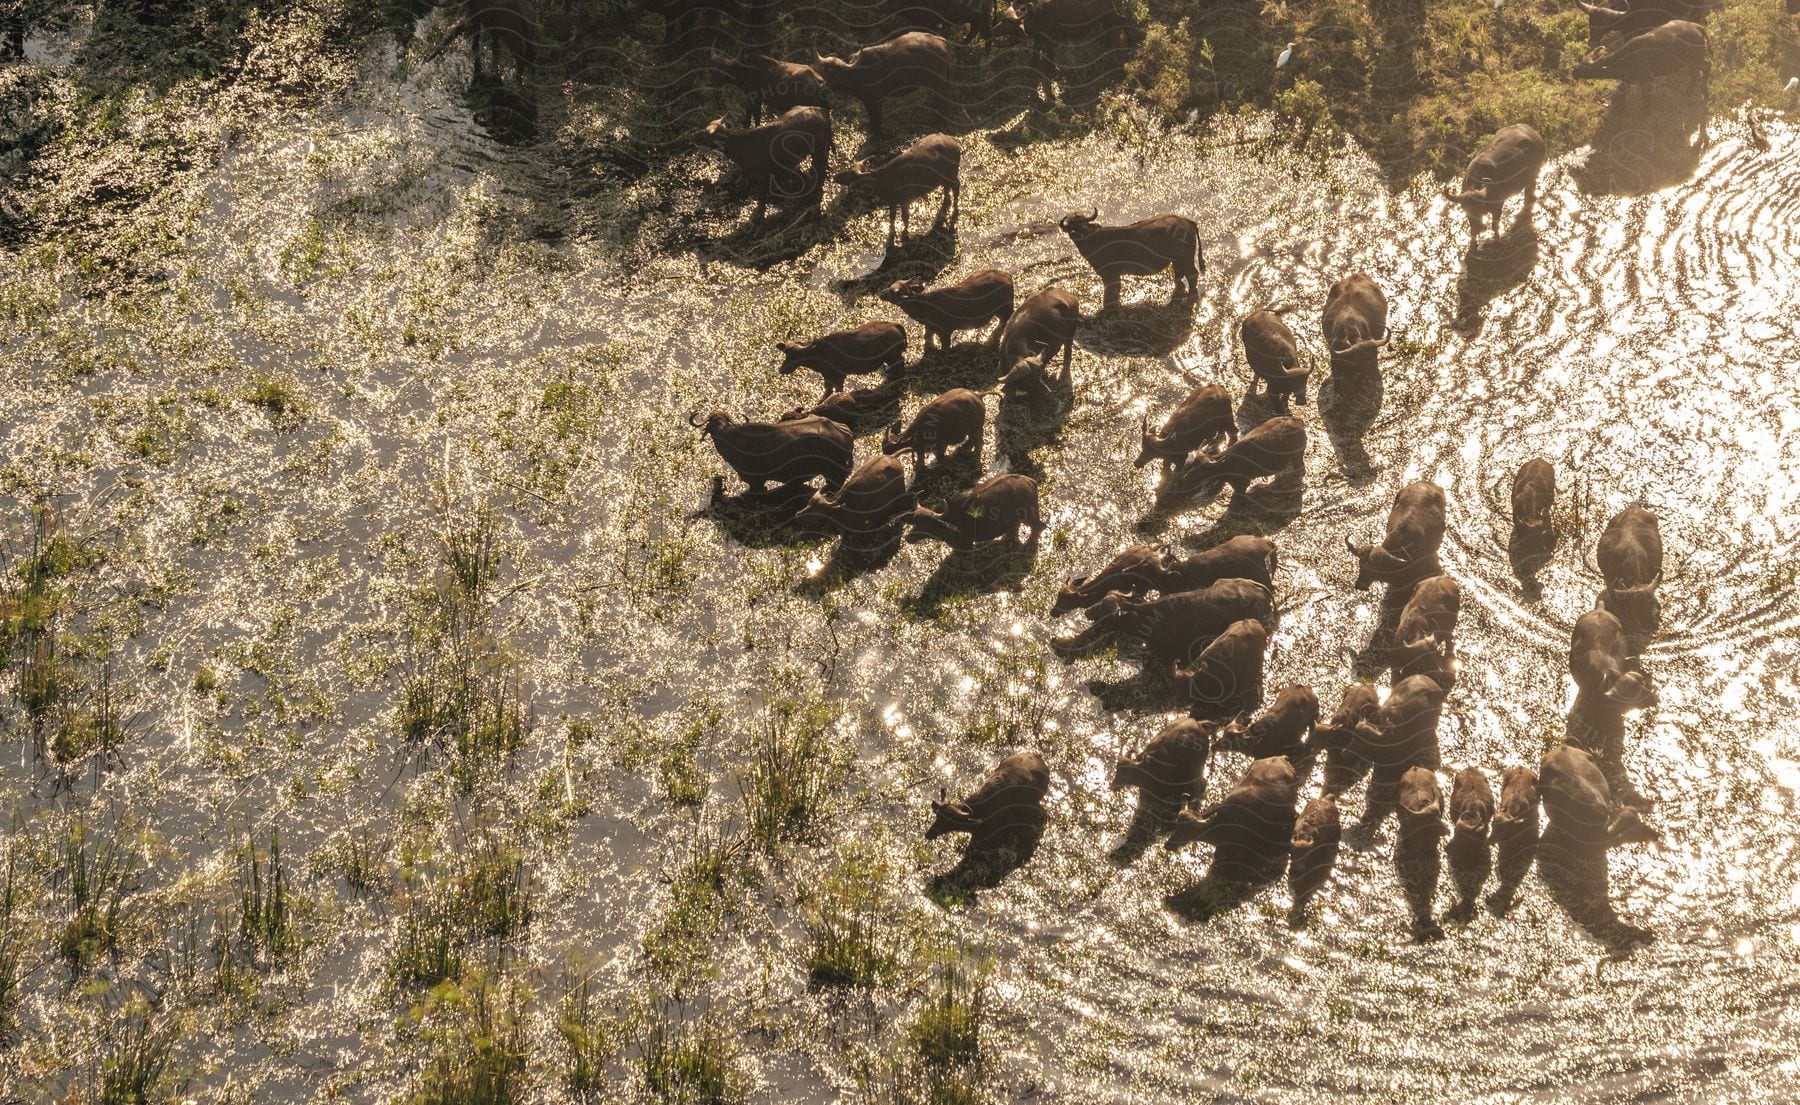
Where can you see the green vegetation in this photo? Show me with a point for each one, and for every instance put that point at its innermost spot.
(948, 1028)
(591, 1037)
(96, 875)
(476, 1030)
(690, 1063)
(135, 1069)
(793, 775)
(265, 923)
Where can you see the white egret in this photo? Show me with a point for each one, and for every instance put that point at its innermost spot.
(1286, 56)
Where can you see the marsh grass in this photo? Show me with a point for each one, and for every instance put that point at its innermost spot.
(590, 1037)
(947, 1030)
(690, 1062)
(484, 899)
(265, 921)
(479, 1047)
(787, 788)
(136, 1067)
(97, 876)
(678, 946)
(852, 941)
(12, 948)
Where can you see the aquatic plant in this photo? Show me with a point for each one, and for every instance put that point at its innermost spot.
(690, 1062)
(788, 785)
(136, 1065)
(947, 1029)
(265, 925)
(475, 1027)
(590, 1037)
(97, 875)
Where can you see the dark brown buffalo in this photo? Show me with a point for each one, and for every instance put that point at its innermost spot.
(839, 406)
(1337, 735)
(1175, 628)
(1011, 797)
(1038, 330)
(1471, 858)
(1201, 419)
(1255, 818)
(1676, 47)
(777, 85)
(1515, 834)
(1416, 857)
(871, 347)
(1276, 447)
(1603, 667)
(1227, 676)
(1625, 19)
(785, 452)
(1403, 734)
(910, 62)
(1580, 804)
(874, 495)
(769, 156)
(1312, 853)
(1172, 767)
(954, 419)
(1533, 528)
(1355, 322)
(1141, 569)
(985, 297)
(1284, 729)
(1425, 636)
(1274, 356)
(1143, 248)
(1630, 555)
(1507, 166)
(933, 162)
(1050, 24)
(1415, 530)
(988, 513)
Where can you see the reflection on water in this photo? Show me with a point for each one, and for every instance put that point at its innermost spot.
(1641, 338)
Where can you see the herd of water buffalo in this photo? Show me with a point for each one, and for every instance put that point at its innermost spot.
(1205, 619)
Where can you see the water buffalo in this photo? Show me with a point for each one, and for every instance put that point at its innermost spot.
(1255, 818)
(770, 155)
(1041, 327)
(1277, 446)
(933, 162)
(1048, 24)
(954, 419)
(1227, 676)
(839, 406)
(1312, 853)
(778, 85)
(1416, 857)
(1011, 797)
(1505, 167)
(1628, 18)
(1425, 636)
(1172, 767)
(1143, 248)
(871, 347)
(1336, 736)
(1471, 858)
(1355, 321)
(1580, 804)
(1514, 833)
(1533, 531)
(1141, 569)
(1602, 666)
(1274, 356)
(986, 296)
(873, 495)
(510, 25)
(1630, 555)
(1403, 732)
(988, 513)
(910, 62)
(1284, 729)
(1415, 530)
(1173, 628)
(785, 452)
(1673, 48)
(1200, 420)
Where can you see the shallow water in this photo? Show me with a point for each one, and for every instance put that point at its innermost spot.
(397, 265)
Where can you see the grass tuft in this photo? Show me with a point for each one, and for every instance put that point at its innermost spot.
(690, 1063)
(97, 878)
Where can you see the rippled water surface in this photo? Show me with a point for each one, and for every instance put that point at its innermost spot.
(396, 266)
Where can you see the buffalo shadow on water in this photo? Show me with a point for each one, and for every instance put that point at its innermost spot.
(935, 483)
(918, 257)
(986, 862)
(508, 115)
(1349, 401)
(1372, 660)
(1260, 510)
(1236, 874)
(1028, 422)
(1575, 874)
(966, 364)
(998, 566)
(1142, 329)
(1493, 267)
(1647, 141)
(853, 556)
(760, 519)
(1150, 822)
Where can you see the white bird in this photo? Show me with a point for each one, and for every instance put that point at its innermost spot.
(1793, 85)
(1286, 56)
